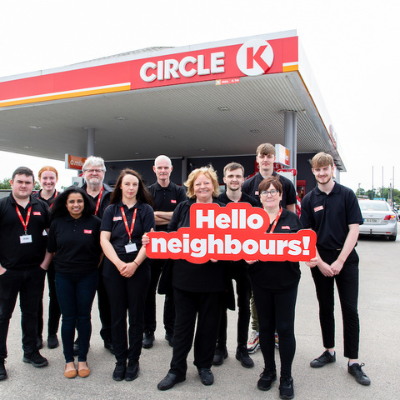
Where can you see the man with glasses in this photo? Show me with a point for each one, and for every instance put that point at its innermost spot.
(265, 157)
(93, 173)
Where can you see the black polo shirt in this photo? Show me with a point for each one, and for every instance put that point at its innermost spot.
(278, 276)
(207, 277)
(49, 201)
(13, 254)
(76, 243)
(223, 198)
(166, 199)
(330, 215)
(113, 222)
(250, 187)
(104, 201)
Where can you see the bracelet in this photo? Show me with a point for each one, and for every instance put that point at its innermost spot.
(135, 262)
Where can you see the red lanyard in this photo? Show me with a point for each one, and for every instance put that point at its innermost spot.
(25, 224)
(98, 201)
(55, 195)
(126, 222)
(276, 221)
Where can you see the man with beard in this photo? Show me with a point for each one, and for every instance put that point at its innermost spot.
(93, 173)
(166, 196)
(332, 211)
(233, 179)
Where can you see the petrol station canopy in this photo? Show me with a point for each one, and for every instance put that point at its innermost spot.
(213, 99)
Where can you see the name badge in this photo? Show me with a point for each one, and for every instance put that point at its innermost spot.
(25, 239)
(130, 247)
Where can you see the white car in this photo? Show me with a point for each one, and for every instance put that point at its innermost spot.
(379, 219)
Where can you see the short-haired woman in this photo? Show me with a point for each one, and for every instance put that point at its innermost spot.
(275, 292)
(199, 291)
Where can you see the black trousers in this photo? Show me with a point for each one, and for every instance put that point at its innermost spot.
(239, 273)
(347, 286)
(29, 285)
(150, 322)
(104, 307)
(206, 308)
(127, 296)
(54, 308)
(276, 311)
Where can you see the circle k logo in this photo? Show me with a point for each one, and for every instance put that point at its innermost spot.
(255, 57)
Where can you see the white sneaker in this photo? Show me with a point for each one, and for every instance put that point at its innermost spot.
(253, 344)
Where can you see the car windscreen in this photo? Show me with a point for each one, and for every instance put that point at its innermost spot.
(373, 206)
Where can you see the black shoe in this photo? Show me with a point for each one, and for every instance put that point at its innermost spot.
(170, 381)
(242, 355)
(267, 378)
(35, 359)
(148, 339)
(3, 372)
(76, 347)
(119, 371)
(206, 376)
(132, 372)
(52, 342)
(109, 346)
(39, 343)
(170, 339)
(323, 359)
(220, 355)
(286, 390)
(359, 374)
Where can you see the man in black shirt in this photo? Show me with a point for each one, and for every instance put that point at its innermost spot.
(233, 179)
(265, 157)
(23, 263)
(332, 211)
(100, 193)
(166, 196)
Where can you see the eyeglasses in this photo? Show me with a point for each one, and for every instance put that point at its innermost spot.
(271, 192)
(97, 171)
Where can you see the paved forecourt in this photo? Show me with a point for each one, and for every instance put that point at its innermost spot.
(379, 308)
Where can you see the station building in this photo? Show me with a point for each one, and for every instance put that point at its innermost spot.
(209, 103)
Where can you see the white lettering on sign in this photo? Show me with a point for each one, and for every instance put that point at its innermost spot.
(187, 67)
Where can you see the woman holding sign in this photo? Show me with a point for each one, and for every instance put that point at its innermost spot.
(199, 291)
(275, 291)
(126, 271)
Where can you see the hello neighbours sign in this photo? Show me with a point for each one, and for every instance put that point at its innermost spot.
(234, 232)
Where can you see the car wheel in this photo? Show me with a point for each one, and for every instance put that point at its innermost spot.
(392, 238)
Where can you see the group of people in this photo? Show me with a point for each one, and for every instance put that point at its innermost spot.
(94, 238)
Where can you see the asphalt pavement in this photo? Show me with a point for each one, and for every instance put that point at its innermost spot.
(379, 309)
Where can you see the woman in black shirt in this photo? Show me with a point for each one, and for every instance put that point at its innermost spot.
(199, 291)
(126, 270)
(275, 291)
(48, 177)
(74, 239)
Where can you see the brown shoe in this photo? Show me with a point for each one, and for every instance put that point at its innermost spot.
(83, 371)
(71, 373)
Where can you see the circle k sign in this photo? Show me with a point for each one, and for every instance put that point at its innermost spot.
(255, 57)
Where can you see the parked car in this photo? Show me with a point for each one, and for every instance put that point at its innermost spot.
(379, 219)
